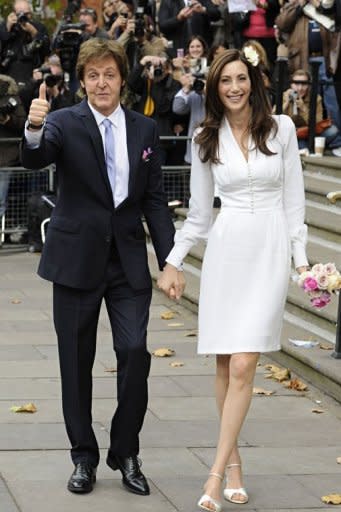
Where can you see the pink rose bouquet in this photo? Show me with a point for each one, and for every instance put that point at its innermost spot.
(319, 283)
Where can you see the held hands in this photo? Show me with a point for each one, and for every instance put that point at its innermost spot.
(39, 107)
(171, 282)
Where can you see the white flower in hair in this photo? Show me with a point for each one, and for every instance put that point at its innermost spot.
(251, 55)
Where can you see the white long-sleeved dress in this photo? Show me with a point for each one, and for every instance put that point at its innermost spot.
(246, 267)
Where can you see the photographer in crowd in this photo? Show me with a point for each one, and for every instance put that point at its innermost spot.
(24, 43)
(89, 18)
(12, 120)
(179, 20)
(57, 90)
(296, 104)
(152, 80)
(191, 98)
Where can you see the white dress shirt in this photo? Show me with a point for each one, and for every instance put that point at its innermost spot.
(118, 125)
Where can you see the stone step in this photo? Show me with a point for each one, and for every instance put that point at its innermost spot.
(328, 166)
(323, 216)
(320, 184)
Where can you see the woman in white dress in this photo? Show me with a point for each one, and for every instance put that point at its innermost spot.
(252, 157)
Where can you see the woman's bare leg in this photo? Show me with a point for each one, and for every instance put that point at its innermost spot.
(235, 375)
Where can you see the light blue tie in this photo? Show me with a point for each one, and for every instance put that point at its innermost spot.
(110, 153)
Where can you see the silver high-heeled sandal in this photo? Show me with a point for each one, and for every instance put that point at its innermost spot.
(205, 498)
(229, 493)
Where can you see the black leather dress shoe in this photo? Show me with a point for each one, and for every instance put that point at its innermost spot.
(133, 478)
(83, 478)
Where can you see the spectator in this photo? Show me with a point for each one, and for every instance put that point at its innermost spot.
(88, 16)
(196, 49)
(57, 89)
(296, 101)
(260, 26)
(24, 43)
(12, 120)
(109, 12)
(152, 80)
(308, 42)
(178, 22)
(190, 100)
(259, 48)
(214, 51)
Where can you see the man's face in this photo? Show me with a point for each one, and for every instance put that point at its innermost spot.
(90, 25)
(300, 84)
(102, 82)
(22, 6)
(110, 7)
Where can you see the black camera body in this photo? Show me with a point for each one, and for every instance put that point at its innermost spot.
(8, 107)
(158, 70)
(50, 79)
(10, 56)
(67, 44)
(22, 18)
(198, 84)
(139, 22)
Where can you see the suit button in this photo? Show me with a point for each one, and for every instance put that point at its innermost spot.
(108, 239)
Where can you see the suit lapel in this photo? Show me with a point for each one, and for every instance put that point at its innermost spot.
(90, 123)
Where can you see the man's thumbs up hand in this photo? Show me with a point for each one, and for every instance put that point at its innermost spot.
(39, 108)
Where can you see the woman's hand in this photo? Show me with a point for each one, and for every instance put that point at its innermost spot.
(302, 269)
(171, 282)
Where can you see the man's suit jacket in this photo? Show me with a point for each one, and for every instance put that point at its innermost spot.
(84, 223)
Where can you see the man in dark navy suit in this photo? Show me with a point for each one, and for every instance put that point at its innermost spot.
(109, 175)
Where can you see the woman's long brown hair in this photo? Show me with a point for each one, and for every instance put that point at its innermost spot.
(261, 122)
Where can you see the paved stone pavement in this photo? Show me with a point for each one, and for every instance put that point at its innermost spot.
(289, 453)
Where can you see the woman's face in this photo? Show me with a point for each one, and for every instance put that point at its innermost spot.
(195, 49)
(234, 87)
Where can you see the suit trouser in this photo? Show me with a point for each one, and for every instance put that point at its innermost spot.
(76, 315)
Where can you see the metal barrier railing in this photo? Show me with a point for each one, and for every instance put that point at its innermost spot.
(22, 183)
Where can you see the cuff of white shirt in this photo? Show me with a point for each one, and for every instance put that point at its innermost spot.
(178, 265)
(299, 256)
(33, 138)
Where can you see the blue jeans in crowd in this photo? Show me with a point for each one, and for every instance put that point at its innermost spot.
(327, 91)
(332, 135)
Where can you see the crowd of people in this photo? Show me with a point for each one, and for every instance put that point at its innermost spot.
(170, 46)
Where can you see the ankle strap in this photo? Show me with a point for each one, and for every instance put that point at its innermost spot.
(233, 466)
(216, 475)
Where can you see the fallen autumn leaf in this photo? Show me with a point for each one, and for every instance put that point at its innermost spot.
(261, 391)
(167, 315)
(163, 352)
(24, 408)
(333, 499)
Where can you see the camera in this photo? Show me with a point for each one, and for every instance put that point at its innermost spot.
(22, 18)
(50, 79)
(198, 85)
(158, 70)
(9, 57)
(29, 49)
(293, 96)
(139, 22)
(67, 44)
(8, 107)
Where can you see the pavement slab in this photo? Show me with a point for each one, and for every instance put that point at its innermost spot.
(288, 452)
